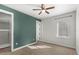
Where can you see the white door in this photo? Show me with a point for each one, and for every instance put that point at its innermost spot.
(77, 31)
(37, 30)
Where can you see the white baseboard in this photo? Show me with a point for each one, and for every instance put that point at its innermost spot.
(24, 46)
(4, 45)
(77, 51)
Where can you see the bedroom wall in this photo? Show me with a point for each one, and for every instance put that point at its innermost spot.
(49, 30)
(24, 27)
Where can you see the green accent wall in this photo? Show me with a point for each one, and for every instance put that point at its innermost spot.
(24, 27)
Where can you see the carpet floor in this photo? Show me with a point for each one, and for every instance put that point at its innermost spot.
(40, 48)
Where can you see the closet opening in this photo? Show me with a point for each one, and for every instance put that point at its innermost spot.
(6, 30)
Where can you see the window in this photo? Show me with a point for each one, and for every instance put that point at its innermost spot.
(62, 29)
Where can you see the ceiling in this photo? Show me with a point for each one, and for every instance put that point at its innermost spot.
(59, 9)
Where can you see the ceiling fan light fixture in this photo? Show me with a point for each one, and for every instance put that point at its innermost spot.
(43, 8)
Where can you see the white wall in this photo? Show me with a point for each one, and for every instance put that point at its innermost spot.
(49, 30)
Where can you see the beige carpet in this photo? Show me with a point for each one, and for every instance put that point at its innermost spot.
(41, 48)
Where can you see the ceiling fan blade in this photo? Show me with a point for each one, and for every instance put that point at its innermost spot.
(42, 6)
(46, 11)
(36, 9)
(40, 12)
(50, 8)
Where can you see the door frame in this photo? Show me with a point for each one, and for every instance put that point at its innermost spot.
(12, 27)
(37, 29)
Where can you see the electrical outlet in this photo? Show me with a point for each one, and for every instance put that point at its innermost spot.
(16, 43)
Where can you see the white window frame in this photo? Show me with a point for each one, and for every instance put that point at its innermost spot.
(58, 32)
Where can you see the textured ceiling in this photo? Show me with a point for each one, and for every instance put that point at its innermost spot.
(59, 9)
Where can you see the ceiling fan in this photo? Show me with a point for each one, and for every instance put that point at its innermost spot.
(43, 7)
